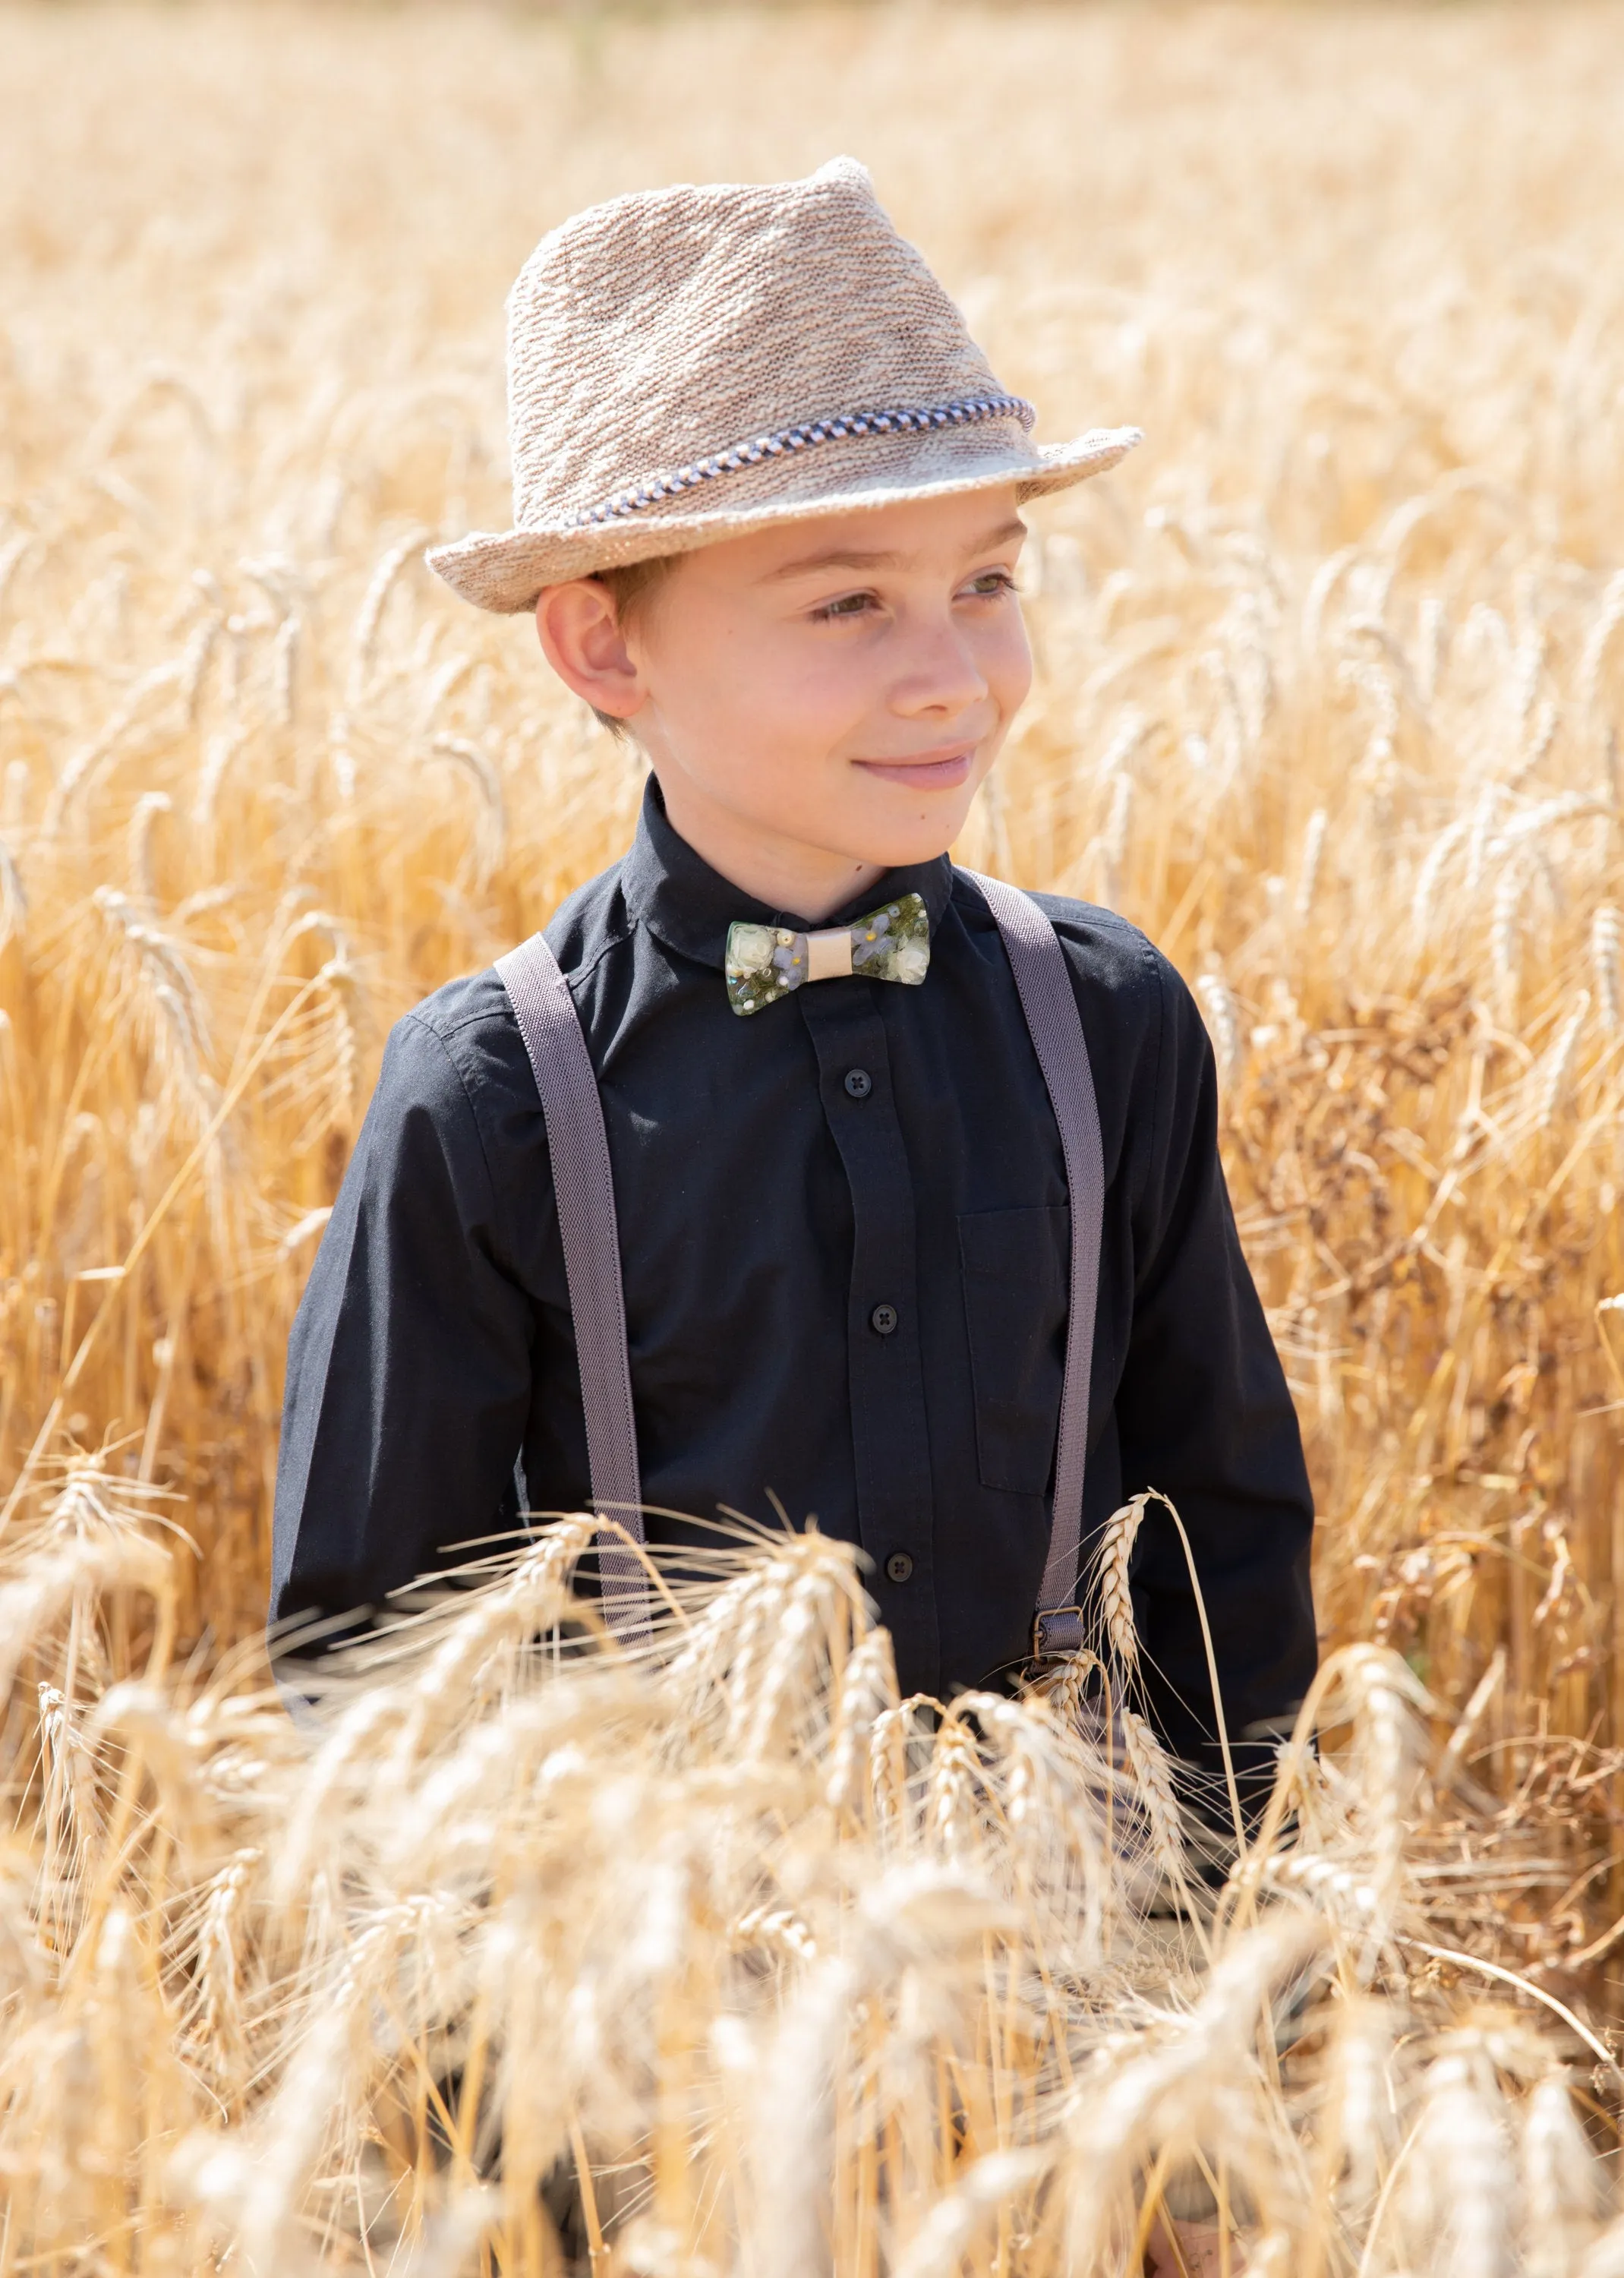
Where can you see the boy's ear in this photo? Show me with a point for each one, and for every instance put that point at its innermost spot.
(581, 639)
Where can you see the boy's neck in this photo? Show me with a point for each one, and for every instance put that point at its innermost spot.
(786, 874)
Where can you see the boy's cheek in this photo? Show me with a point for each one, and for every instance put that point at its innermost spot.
(820, 715)
(1009, 669)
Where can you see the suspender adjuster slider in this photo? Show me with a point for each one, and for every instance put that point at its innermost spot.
(1056, 1631)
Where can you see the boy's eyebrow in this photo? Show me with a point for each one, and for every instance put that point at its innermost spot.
(857, 557)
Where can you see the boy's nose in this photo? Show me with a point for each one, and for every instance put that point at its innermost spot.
(941, 678)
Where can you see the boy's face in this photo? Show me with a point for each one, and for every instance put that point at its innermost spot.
(820, 700)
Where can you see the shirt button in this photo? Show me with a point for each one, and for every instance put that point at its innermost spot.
(859, 1083)
(883, 1318)
(898, 1566)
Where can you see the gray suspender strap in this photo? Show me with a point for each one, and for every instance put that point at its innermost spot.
(1044, 980)
(584, 1190)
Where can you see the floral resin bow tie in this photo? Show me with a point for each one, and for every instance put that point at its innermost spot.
(766, 962)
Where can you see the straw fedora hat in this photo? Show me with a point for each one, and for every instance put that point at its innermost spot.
(690, 364)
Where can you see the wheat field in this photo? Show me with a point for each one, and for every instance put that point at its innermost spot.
(518, 1954)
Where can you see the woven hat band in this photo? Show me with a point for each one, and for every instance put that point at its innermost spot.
(787, 442)
(829, 471)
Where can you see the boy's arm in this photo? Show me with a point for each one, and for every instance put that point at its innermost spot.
(1204, 1415)
(408, 1368)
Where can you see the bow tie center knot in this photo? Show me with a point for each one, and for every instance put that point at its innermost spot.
(829, 954)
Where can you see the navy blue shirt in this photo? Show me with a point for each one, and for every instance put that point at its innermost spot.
(770, 1201)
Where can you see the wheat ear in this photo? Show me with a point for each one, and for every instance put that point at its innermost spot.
(1604, 939)
(1564, 1052)
(1152, 1775)
(1116, 1553)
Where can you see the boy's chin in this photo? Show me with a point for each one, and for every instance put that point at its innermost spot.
(901, 844)
(907, 852)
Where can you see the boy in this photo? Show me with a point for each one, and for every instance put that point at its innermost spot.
(767, 494)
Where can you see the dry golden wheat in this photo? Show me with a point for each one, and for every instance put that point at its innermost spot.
(727, 1961)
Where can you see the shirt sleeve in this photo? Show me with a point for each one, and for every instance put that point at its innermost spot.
(409, 1367)
(1204, 1414)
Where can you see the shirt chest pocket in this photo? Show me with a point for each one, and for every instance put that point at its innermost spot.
(1015, 1269)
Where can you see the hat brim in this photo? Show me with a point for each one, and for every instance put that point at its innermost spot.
(506, 571)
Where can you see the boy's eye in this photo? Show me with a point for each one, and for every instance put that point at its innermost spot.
(990, 584)
(849, 605)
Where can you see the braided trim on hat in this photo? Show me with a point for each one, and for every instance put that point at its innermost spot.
(966, 412)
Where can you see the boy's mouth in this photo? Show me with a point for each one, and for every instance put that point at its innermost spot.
(938, 770)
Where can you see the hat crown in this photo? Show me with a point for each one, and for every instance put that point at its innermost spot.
(661, 327)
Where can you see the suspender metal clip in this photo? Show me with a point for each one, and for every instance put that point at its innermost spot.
(1056, 1631)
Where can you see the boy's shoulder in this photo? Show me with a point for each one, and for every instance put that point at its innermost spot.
(1112, 952)
(468, 1022)
(585, 927)
(1124, 983)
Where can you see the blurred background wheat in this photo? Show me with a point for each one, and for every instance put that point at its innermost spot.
(1330, 683)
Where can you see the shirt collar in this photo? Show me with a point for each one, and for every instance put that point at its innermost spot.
(677, 895)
